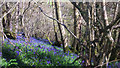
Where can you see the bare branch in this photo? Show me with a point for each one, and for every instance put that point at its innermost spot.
(59, 23)
(10, 10)
(27, 7)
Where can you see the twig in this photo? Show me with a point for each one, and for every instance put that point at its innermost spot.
(2, 4)
(115, 27)
(107, 63)
(27, 7)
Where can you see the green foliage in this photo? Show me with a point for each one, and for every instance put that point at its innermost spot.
(4, 63)
(30, 55)
(12, 62)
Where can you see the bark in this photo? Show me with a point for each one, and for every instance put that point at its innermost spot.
(93, 20)
(79, 33)
(8, 19)
(17, 18)
(1, 29)
(22, 18)
(54, 26)
(118, 42)
(109, 34)
(59, 18)
(75, 31)
(99, 31)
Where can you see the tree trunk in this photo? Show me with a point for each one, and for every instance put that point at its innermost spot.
(75, 31)
(59, 17)
(54, 26)
(1, 30)
(8, 19)
(92, 32)
(17, 19)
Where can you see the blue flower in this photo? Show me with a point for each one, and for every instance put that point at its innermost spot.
(54, 52)
(63, 55)
(45, 57)
(48, 62)
(0, 52)
(58, 62)
(83, 61)
(32, 57)
(34, 52)
(49, 50)
(26, 46)
(72, 57)
(17, 52)
(109, 66)
(39, 60)
(16, 47)
(36, 57)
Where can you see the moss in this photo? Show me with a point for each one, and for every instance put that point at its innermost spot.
(68, 49)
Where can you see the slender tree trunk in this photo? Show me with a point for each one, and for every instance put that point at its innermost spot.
(118, 42)
(88, 33)
(22, 17)
(75, 31)
(55, 30)
(1, 30)
(92, 32)
(8, 19)
(59, 17)
(79, 31)
(17, 18)
(26, 28)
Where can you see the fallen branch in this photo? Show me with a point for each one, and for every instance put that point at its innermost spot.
(7, 38)
(106, 63)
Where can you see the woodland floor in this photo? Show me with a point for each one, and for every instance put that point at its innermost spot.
(38, 52)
